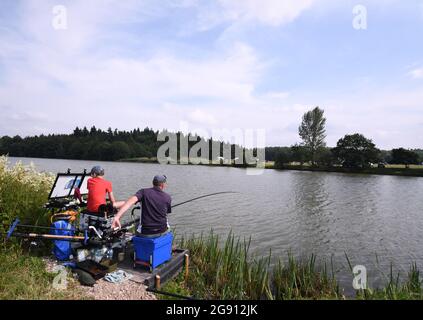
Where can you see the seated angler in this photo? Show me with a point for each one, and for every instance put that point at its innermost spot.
(98, 189)
(155, 205)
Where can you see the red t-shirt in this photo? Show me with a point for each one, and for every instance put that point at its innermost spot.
(97, 190)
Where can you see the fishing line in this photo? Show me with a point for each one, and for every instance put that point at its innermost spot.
(129, 224)
(200, 197)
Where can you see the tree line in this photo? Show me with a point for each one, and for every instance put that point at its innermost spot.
(96, 144)
(351, 151)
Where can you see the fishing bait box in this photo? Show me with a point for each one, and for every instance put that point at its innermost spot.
(95, 269)
(152, 252)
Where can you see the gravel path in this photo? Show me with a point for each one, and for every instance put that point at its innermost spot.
(104, 290)
(128, 290)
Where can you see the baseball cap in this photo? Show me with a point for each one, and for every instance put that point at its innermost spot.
(97, 170)
(159, 179)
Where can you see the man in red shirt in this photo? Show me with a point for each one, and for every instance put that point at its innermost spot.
(98, 188)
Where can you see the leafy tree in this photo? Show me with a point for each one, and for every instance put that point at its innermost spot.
(356, 151)
(119, 150)
(300, 154)
(312, 131)
(326, 158)
(283, 157)
(76, 150)
(420, 153)
(386, 156)
(403, 156)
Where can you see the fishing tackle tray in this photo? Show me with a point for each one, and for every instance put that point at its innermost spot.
(96, 270)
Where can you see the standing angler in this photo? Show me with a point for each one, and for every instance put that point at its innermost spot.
(155, 205)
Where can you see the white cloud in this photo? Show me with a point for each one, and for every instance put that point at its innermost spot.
(267, 12)
(416, 73)
(271, 12)
(202, 117)
(53, 81)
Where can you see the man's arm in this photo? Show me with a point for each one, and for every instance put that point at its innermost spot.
(112, 198)
(129, 203)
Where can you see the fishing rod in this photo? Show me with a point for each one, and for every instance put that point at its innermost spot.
(46, 236)
(170, 294)
(131, 223)
(200, 197)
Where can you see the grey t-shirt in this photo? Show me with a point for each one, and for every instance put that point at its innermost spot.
(155, 205)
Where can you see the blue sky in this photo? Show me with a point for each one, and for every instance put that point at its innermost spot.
(206, 65)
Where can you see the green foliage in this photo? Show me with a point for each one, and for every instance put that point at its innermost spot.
(303, 281)
(25, 277)
(227, 271)
(403, 156)
(326, 158)
(420, 153)
(300, 154)
(356, 151)
(95, 144)
(312, 132)
(23, 192)
(283, 157)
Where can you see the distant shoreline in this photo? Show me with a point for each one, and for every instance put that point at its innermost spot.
(391, 171)
(416, 171)
(411, 172)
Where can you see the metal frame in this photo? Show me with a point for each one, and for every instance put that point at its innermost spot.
(68, 173)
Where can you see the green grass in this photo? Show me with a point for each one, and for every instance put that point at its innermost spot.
(23, 276)
(413, 171)
(402, 166)
(227, 271)
(303, 280)
(410, 289)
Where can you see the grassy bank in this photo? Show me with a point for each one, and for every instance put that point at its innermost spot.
(393, 170)
(416, 171)
(227, 271)
(140, 160)
(23, 191)
(23, 276)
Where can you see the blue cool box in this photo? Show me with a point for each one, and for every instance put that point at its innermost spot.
(153, 251)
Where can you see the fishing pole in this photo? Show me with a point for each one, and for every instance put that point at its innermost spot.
(46, 236)
(170, 294)
(200, 197)
(38, 227)
(131, 223)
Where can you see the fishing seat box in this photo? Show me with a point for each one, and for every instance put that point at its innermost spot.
(152, 252)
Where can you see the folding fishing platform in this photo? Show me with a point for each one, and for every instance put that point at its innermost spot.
(154, 278)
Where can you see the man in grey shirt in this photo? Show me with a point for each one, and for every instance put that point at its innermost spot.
(155, 205)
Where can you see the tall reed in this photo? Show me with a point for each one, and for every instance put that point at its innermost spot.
(228, 271)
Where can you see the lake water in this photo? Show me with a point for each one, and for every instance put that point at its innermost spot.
(376, 220)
